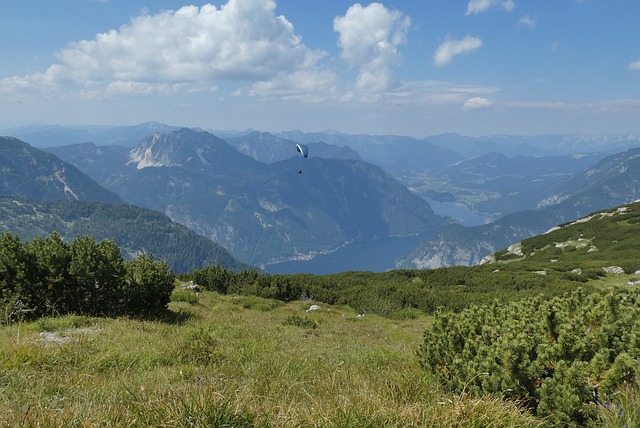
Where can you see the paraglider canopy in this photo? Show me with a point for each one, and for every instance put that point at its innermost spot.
(301, 148)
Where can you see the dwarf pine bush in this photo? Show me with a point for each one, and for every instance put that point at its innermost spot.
(562, 357)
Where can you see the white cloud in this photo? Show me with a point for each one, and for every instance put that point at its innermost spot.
(477, 6)
(477, 103)
(369, 38)
(192, 48)
(527, 21)
(450, 48)
(635, 66)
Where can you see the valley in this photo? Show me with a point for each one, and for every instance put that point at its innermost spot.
(422, 255)
(238, 191)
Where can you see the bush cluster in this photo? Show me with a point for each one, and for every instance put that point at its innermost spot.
(49, 276)
(393, 293)
(562, 357)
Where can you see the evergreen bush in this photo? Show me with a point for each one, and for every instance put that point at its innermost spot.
(51, 277)
(561, 357)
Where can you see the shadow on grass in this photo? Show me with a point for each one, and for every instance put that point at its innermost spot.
(167, 316)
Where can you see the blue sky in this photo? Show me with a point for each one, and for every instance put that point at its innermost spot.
(408, 67)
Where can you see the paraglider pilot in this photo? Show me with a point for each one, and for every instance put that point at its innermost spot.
(304, 151)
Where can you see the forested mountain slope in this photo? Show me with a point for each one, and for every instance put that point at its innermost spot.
(135, 230)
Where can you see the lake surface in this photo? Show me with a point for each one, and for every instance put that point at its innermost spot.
(379, 255)
(458, 211)
(375, 256)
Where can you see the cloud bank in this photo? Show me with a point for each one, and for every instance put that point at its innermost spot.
(478, 6)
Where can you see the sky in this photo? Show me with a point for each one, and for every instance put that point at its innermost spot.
(403, 67)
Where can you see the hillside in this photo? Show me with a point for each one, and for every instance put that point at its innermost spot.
(608, 239)
(133, 229)
(613, 181)
(253, 354)
(32, 173)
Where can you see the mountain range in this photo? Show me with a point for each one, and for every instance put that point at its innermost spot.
(32, 173)
(40, 194)
(261, 212)
(615, 180)
(244, 192)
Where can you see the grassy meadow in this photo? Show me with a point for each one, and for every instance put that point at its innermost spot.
(230, 361)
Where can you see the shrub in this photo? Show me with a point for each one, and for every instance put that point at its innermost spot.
(298, 321)
(149, 285)
(557, 356)
(51, 277)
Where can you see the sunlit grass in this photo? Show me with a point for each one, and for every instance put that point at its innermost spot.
(230, 361)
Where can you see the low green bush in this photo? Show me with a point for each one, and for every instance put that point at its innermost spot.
(298, 321)
(561, 357)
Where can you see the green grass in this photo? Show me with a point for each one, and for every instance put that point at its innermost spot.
(231, 361)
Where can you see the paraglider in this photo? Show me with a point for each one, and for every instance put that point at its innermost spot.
(304, 151)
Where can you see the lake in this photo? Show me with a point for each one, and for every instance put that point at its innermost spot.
(376, 256)
(379, 255)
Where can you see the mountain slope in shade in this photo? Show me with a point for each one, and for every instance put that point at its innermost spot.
(33, 173)
(135, 230)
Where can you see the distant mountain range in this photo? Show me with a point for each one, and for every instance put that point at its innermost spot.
(244, 191)
(57, 135)
(613, 181)
(39, 194)
(269, 148)
(32, 173)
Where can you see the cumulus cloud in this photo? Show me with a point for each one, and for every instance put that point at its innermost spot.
(634, 66)
(192, 48)
(369, 38)
(477, 6)
(477, 103)
(450, 48)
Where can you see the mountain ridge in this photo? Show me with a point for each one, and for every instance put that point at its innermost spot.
(263, 212)
(615, 180)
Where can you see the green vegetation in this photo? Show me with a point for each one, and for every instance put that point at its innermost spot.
(231, 361)
(51, 277)
(563, 358)
(132, 228)
(545, 336)
(396, 293)
(599, 240)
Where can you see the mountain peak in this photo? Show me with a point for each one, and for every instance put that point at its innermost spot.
(186, 148)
